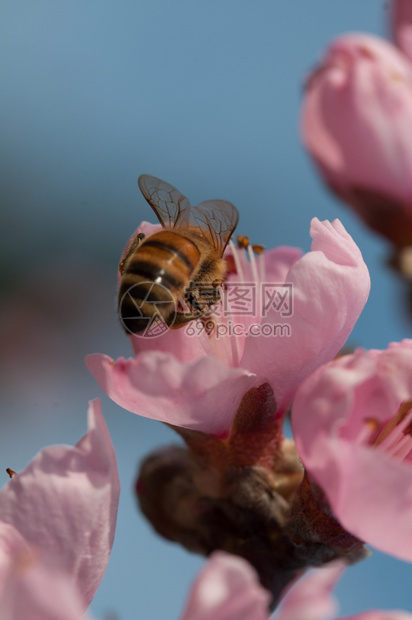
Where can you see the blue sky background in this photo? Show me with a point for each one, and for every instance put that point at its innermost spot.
(205, 95)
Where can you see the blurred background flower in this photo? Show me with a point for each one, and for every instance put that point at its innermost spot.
(356, 124)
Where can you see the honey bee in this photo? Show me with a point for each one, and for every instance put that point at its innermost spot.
(181, 264)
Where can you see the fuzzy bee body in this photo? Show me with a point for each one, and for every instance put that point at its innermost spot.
(158, 272)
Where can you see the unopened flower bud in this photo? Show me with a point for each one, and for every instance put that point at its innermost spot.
(356, 125)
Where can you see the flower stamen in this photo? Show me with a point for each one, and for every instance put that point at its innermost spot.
(253, 264)
(238, 265)
(394, 437)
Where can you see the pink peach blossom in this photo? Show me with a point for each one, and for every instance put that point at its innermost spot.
(351, 421)
(356, 125)
(64, 505)
(198, 381)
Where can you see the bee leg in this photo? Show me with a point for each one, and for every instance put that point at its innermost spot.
(182, 319)
(133, 246)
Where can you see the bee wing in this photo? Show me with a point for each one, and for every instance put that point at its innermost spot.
(215, 220)
(166, 201)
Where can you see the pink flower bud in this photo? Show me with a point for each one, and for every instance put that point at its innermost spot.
(357, 126)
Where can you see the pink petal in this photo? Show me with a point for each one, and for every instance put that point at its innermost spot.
(382, 615)
(184, 347)
(311, 597)
(203, 395)
(357, 117)
(278, 261)
(29, 588)
(12, 545)
(36, 592)
(330, 286)
(65, 503)
(227, 589)
(402, 25)
(370, 492)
